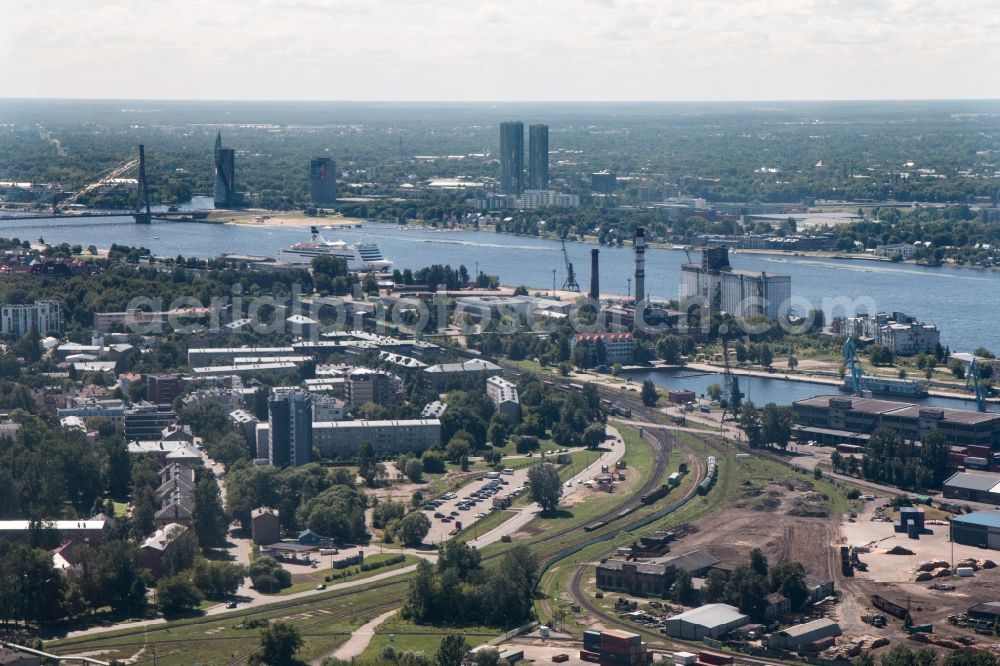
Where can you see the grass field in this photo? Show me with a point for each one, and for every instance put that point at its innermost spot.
(325, 621)
(405, 636)
(348, 573)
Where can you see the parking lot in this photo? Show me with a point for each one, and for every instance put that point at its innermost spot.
(471, 503)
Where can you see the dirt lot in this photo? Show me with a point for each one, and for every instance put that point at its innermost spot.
(760, 520)
(893, 576)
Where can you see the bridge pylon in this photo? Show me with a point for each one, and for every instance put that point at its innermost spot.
(142, 212)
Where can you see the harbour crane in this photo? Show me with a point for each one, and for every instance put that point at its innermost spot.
(570, 284)
(851, 363)
(972, 377)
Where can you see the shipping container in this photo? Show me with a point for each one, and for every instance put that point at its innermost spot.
(592, 657)
(714, 658)
(685, 658)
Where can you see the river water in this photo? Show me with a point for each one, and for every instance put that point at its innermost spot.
(962, 302)
(762, 390)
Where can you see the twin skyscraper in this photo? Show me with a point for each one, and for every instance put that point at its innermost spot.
(512, 158)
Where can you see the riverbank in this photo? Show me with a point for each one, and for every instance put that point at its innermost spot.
(267, 218)
(814, 379)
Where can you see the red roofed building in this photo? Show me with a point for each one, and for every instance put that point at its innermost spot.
(620, 347)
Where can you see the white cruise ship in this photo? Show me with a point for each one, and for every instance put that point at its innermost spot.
(363, 257)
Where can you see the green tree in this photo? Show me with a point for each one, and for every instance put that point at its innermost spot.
(387, 511)
(452, 651)
(880, 355)
(969, 657)
(714, 391)
(683, 589)
(217, 579)
(776, 425)
(765, 356)
(865, 659)
(177, 594)
(593, 436)
(790, 580)
(714, 590)
(649, 394)
(209, 520)
(751, 425)
(526, 443)
(143, 511)
(267, 575)
(898, 655)
(546, 488)
(413, 528)
(758, 562)
(367, 462)
(414, 470)
(279, 643)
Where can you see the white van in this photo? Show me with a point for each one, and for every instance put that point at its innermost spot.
(508, 471)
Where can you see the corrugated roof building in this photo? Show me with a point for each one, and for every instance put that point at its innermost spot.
(801, 635)
(980, 528)
(711, 620)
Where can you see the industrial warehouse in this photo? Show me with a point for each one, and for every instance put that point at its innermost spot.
(973, 487)
(849, 416)
(980, 528)
(653, 576)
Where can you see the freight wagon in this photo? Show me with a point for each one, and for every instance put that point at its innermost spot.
(889, 607)
(654, 495)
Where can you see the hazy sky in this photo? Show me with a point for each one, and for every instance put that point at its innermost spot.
(505, 50)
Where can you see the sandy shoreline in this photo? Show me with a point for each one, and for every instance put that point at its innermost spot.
(281, 219)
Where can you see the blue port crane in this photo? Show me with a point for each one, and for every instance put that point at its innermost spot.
(972, 378)
(851, 363)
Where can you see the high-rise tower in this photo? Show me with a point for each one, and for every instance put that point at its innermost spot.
(290, 424)
(512, 157)
(538, 157)
(225, 175)
(323, 180)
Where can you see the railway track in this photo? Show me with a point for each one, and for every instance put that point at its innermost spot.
(576, 589)
(576, 584)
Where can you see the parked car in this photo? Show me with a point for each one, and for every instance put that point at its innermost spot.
(321, 586)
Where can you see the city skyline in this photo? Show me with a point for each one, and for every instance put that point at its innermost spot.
(636, 51)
